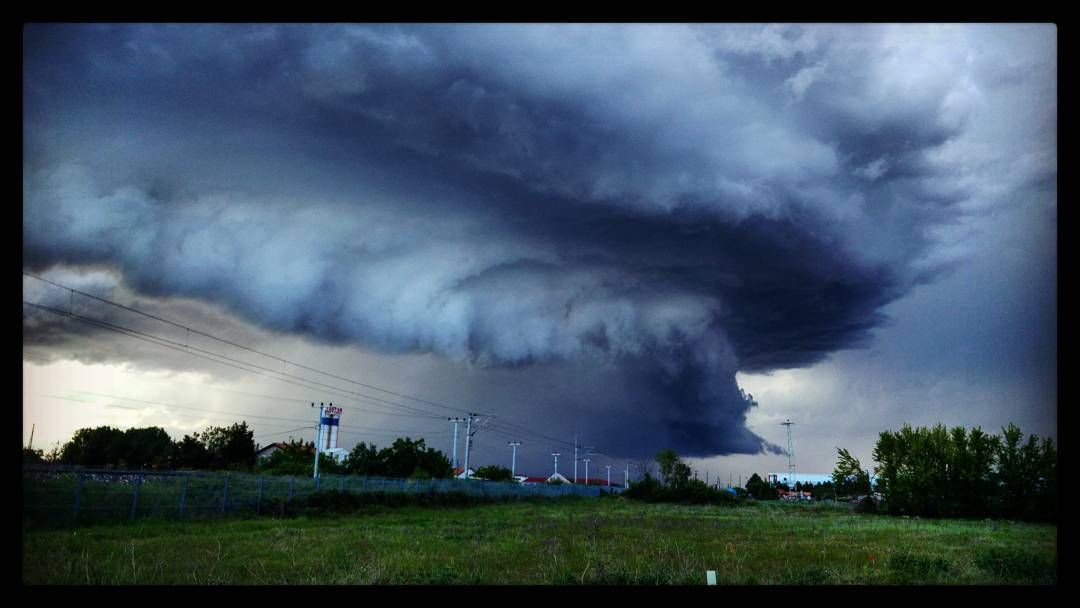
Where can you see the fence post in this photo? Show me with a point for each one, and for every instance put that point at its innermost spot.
(258, 499)
(318, 483)
(78, 495)
(341, 484)
(290, 488)
(225, 495)
(363, 483)
(183, 493)
(135, 497)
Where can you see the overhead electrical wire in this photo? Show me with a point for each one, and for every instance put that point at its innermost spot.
(511, 429)
(241, 346)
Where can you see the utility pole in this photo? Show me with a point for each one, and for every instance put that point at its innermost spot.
(608, 467)
(513, 459)
(468, 442)
(586, 461)
(626, 476)
(556, 455)
(32, 427)
(455, 421)
(588, 450)
(318, 438)
(790, 454)
(469, 432)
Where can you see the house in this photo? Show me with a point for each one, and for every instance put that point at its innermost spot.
(802, 478)
(274, 447)
(595, 481)
(551, 479)
(459, 473)
(793, 495)
(338, 454)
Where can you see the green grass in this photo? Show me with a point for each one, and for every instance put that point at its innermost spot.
(557, 541)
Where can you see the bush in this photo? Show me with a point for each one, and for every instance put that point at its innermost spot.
(910, 567)
(694, 491)
(866, 505)
(1017, 565)
(936, 472)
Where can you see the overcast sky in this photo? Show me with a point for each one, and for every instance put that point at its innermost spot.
(648, 235)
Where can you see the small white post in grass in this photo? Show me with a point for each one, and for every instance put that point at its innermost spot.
(710, 577)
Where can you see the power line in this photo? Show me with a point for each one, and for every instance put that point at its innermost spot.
(280, 376)
(127, 407)
(241, 346)
(281, 432)
(210, 356)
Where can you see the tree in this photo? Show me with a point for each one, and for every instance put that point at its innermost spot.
(97, 446)
(1026, 475)
(760, 489)
(298, 458)
(364, 460)
(494, 473)
(673, 471)
(147, 447)
(31, 456)
(849, 477)
(230, 446)
(405, 457)
(959, 473)
(190, 453)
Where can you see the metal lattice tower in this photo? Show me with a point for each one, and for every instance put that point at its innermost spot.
(790, 453)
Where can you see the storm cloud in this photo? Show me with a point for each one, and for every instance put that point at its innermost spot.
(634, 213)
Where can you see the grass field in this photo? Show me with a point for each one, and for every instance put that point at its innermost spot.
(554, 541)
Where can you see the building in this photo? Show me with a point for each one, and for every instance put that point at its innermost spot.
(550, 479)
(600, 481)
(802, 478)
(265, 452)
(338, 454)
(459, 473)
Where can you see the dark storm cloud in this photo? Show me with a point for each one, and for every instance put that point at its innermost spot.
(665, 205)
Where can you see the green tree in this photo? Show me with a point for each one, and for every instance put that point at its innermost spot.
(1026, 475)
(959, 473)
(147, 447)
(849, 477)
(406, 456)
(363, 459)
(31, 456)
(97, 446)
(231, 447)
(190, 453)
(760, 489)
(296, 458)
(673, 471)
(494, 473)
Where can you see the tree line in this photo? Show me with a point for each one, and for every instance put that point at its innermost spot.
(217, 447)
(939, 472)
(234, 448)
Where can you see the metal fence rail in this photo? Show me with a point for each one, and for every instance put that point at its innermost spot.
(74, 495)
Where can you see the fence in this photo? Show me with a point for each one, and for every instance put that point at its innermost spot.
(76, 496)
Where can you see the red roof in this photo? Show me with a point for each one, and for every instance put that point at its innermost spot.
(596, 481)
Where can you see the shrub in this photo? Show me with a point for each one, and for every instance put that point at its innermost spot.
(866, 505)
(910, 567)
(1017, 565)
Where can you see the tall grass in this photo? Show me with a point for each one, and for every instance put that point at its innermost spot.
(565, 541)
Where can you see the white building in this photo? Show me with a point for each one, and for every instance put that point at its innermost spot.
(802, 478)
